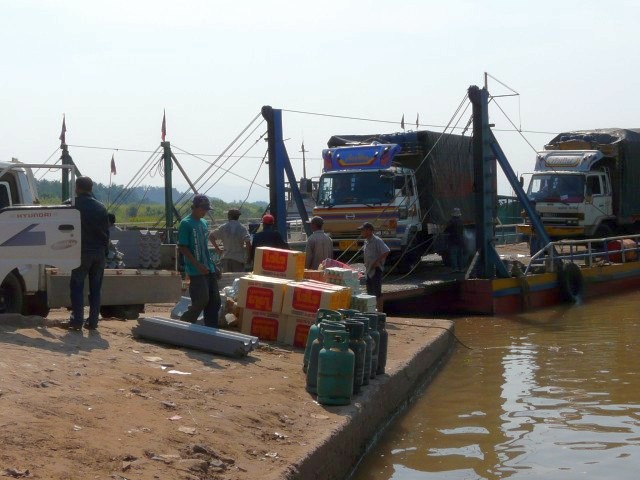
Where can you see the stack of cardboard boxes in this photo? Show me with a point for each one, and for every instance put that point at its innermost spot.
(277, 304)
(349, 278)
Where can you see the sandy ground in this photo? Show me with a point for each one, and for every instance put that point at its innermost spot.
(103, 404)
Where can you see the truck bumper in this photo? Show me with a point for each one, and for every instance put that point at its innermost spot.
(120, 287)
(355, 244)
(560, 231)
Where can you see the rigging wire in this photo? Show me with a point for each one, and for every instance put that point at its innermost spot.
(199, 183)
(212, 164)
(221, 166)
(141, 169)
(129, 191)
(514, 126)
(254, 178)
(196, 156)
(391, 122)
(47, 170)
(135, 180)
(225, 170)
(233, 165)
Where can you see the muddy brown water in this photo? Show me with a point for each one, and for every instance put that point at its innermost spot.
(553, 394)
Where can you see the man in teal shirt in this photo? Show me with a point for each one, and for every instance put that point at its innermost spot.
(193, 235)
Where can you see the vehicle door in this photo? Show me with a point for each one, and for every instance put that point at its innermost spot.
(599, 192)
(39, 235)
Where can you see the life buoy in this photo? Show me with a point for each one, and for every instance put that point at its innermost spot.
(571, 282)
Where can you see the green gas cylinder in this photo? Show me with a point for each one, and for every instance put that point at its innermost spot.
(368, 351)
(323, 314)
(312, 368)
(335, 370)
(349, 312)
(375, 335)
(384, 342)
(359, 347)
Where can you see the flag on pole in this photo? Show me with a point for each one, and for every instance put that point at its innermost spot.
(417, 121)
(164, 125)
(402, 122)
(63, 133)
(113, 164)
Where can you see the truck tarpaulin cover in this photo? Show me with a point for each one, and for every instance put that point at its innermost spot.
(445, 178)
(625, 172)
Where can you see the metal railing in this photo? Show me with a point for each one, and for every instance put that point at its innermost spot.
(586, 250)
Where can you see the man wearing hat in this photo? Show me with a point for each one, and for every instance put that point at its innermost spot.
(319, 245)
(193, 244)
(268, 237)
(375, 253)
(455, 239)
(236, 241)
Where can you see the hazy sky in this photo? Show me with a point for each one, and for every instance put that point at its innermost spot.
(112, 67)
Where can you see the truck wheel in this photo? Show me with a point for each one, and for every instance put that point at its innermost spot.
(37, 304)
(603, 231)
(11, 295)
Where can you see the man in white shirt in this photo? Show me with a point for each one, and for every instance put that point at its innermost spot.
(375, 253)
(319, 245)
(236, 241)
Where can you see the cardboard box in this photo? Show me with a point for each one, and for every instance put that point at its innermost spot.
(344, 292)
(296, 329)
(267, 326)
(261, 293)
(303, 298)
(275, 262)
(314, 275)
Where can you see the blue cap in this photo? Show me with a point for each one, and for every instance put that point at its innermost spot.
(201, 201)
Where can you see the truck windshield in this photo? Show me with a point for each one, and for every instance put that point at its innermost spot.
(348, 188)
(553, 187)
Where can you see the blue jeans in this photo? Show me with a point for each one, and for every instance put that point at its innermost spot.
(455, 257)
(205, 298)
(374, 284)
(92, 264)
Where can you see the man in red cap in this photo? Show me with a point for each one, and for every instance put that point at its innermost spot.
(268, 237)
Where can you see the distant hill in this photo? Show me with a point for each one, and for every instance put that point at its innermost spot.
(144, 200)
(51, 190)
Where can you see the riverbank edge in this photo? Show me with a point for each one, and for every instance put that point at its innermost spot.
(340, 451)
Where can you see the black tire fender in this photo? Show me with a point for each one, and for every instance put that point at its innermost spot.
(11, 294)
(571, 282)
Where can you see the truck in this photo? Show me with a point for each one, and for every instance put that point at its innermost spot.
(40, 245)
(406, 184)
(585, 184)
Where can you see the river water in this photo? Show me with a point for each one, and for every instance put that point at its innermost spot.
(553, 394)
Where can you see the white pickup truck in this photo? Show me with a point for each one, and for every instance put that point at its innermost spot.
(40, 245)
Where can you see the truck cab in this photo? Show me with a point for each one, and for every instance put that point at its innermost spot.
(31, 236)
(362, 184)
(572, 193)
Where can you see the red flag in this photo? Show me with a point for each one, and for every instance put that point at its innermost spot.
(113, 165)
(164, 125)
(63, 133)
(402, 122)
